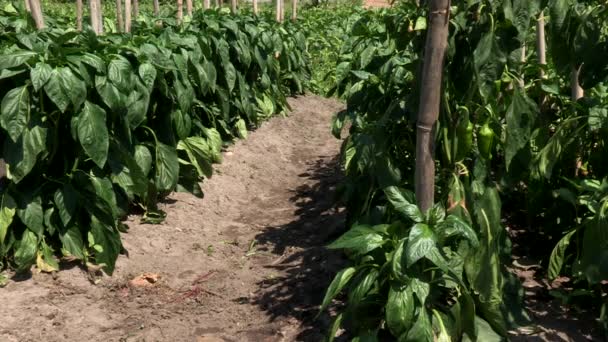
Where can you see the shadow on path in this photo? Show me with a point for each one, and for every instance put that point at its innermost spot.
(305, 265)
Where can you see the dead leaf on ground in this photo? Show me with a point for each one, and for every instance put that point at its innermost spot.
(144, 280)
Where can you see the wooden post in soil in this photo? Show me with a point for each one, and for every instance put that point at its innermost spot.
(206, 4)
(541, 49)
(36, 12)
(282, 10)
(128, 11)
(430, 95)
(95, 10)
(294, 10)
(135, 9)
(156, 8)
(27, 5)
(79, 15)
(189, 8)
(577, 90)
(233, 6)
(119, 21)
(255, 6)
(180, 11)
(100, 16)
(279, 6)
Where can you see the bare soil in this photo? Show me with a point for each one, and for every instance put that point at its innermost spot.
(246, 263)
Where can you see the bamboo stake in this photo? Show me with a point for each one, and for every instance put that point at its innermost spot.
(189, 7)
(206, 4)
(36, 11)
(156, 8)
(27, 5)
(255, 6)
(294, 10)
(279, 11)
(577, 90)
(119, 22)
(135, 9)
(100, 16)
(128, 9)
(79, 15)
(93, 9)
(282, 10)
(430, 95)
(180, 11)
(233, 5)
(540, 43)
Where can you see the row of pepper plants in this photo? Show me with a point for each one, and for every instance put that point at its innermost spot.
(94, 126)
(517, 142)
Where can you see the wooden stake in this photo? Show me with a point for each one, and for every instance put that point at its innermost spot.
(79, 15)
(540, 43)
(27, 5)
(36, 11)
(577, 90)
(180, 11)
(430, 96)
(279, 17)
(100, 16)
(206, 4)
(189, 7)
(119, 22)
(156, 8)
(233, 5)
(128, 9)
(135, 9)
(294, 10)
(255, 6)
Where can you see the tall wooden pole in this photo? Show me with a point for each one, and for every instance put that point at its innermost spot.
(119, 22)
(94, 17)
(430, 96)
(577, 90)
(180, 11)
(206, 4)
(128, 11)
(294, 10)
(27, 5)
(278, 8)
(255, 6)
(100, 16)
(135, 9)
(233, 5)
(36, 12)
(540, 42)
(79, 15)
(156, 8)
(189, 7)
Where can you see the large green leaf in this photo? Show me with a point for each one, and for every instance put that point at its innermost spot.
(56, 91)
(32, 216)
(360, 239)
(6, 218)
(106, 243)
(40, 74)
(167, 167)
(66, 202)
(558, 255)
(25, 254)
(400, 307)
(340, 280)
(15, 59)
(402, 201)
(520, 118)
(93, 133)
(15, 111)
(22, 155)
(421, 242)
(72, 243)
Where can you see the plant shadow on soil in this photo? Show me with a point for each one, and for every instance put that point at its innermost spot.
(307, 266)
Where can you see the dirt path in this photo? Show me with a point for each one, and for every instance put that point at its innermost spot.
(245, 263)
